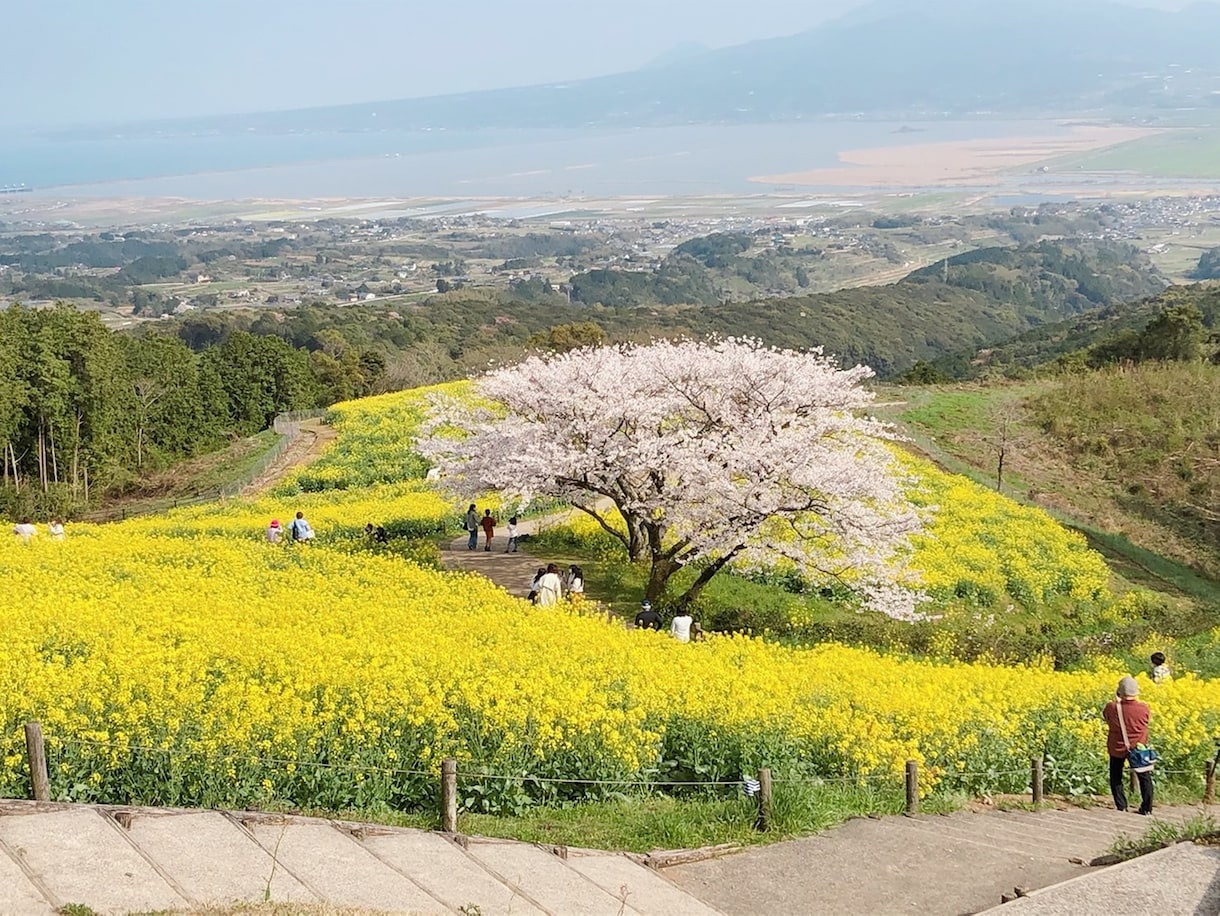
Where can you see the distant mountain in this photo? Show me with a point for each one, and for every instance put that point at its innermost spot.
(947, 58)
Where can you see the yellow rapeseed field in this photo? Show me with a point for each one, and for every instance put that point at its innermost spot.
(182, 659)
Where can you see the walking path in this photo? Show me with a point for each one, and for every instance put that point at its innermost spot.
(939, 864)
(511, 571)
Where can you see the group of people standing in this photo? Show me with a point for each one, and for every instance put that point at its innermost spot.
(549, 586)
(487, 523)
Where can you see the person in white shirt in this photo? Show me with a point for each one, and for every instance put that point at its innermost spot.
(575, 584)
(550, 588)
(25, 530)
(512, 536)
(679, 629)
(56, 528)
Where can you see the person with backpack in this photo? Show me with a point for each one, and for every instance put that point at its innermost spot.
(300, 529)
(1128, 720)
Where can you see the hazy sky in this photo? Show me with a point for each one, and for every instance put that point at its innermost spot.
(71, 61)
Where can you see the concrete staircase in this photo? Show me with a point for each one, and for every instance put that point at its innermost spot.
(123, 860)
(957, 863)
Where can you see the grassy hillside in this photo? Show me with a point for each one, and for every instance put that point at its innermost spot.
(1129, 457)
(1044, 345)
(972, 299)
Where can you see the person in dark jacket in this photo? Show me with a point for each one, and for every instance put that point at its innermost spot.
(647, 618)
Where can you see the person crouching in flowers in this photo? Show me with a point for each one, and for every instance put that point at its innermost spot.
(273, 531)
(1128, 720)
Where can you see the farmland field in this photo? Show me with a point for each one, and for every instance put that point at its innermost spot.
(183, 660)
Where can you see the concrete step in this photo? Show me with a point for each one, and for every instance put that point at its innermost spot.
(81, 855)
(337, 867)
(18, 892)
(213, 860)
(969, 829)
(870, 866)
(449, 874)
(1069, 820)
(1041, 833)
(1089, 838)
(547, 879)
(644, 890)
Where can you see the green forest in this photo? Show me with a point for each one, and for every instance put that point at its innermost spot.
(86, 411)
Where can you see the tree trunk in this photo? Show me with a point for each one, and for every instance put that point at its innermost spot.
(76, 457)
(42, 456)
(54, 456)
(705, 576)
(659, 575)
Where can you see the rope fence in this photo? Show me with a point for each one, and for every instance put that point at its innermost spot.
(758, 786)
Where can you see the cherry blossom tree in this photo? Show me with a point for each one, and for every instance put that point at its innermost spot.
(717, 453)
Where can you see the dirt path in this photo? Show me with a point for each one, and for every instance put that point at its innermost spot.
(311, 441)
(513, 572)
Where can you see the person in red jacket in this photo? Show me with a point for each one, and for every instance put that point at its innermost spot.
(1127, 714)
(489, 528)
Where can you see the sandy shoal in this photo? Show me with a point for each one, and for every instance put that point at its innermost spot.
(955, 163)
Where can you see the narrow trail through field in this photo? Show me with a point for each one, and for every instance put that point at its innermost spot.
(312, 438)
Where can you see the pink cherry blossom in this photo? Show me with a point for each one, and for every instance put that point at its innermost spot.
(715, 453)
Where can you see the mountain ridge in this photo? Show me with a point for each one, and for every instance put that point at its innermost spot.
(946, 59)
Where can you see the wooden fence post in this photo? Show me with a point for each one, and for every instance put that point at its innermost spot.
(764, 799)
(1209, 786)
(912, 788)
(449, 795)
(36, 750)
(1035, 780)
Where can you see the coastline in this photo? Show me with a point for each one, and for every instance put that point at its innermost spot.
(955, 163)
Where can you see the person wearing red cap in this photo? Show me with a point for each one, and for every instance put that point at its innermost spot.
(273, 531)
(1128, 720)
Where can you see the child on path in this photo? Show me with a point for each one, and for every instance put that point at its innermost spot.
(489, 528)
(512, 536)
